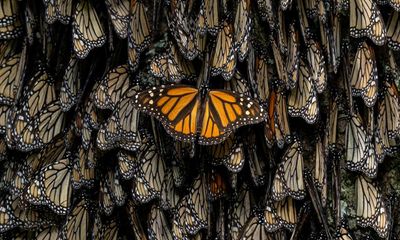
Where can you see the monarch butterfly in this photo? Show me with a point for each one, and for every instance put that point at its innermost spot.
(119, 14)
(239, 210)
(197, 205)
(51, 122)
(112, 87)
(388, 121)
(121, 129)
(327, 43)
(360, 153)
(169, 194)
(12, 63)
(105, 202)
(263, 76)
(7, 218)
(22, 124)
(279, 65)
(293, 57)
(179, 108)
(58, 10)
(139, 32)
(238, 84)
(189, 41)
(364, 75)
(286, 212)
(111, 193)
(87, 31)
(172, 66)
(332, 125)
(149, 174)
(371, 210)
(272, 223)
(242, 28)
(27, 217)
(393, 34)
(317, 65)
(320, 171)
(133, 57)
(181, 151)
(302, 99)
(288, 180)
(127, 162)
(71, 85)
(208, 19)
(230, 152)
(217, 187)
(55, 185)
(10, 20)
(157, 225)
(223, 59)
(282, 131)
(77, 222)
(366, 20)
(40, 94)
(82, 173)
(178, 224)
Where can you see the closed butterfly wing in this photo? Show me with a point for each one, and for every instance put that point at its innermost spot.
(286, 212)
(239, 211)
(316, 61)
(119, 13)
(371, 210)
(393, 31)
(78, 220)
(13, 63)
(157, 225)
(197, 206)
(366, 20)
(64, 10)
(10, 19)
(360, 150)
(71, 84)
(139, 32)
(223, 58)
(288, 179)
(302, 100)
(364, 75)
(112, 88)
(57, 189)
(242, 28)
(87, 31)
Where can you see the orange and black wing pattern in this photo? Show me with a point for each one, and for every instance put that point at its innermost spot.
(176, 106)
(225, 111)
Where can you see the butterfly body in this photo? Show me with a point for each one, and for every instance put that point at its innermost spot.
(190, 114)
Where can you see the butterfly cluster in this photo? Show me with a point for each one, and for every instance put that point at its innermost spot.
(199, 119)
